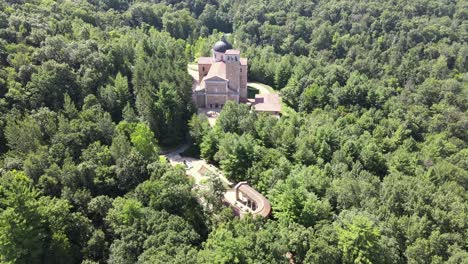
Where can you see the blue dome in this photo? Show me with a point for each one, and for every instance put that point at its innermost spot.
(222, 45)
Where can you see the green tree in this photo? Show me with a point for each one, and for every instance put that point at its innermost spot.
(324, 245)
(254, 241)
(236, 155)
(131, 170)
(236, 118)
(142, 231)
(209, 146)
(360, 240)
(23, 136)
(115, 97)
(36, 228)
(180, 24)
(199, 127)
(144, 141)
(313, 97)
(291, 202)
(50, 83)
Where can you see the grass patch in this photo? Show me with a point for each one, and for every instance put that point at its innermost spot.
(263, 86)
(251, 92)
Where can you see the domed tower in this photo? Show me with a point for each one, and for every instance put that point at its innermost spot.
(220, 48)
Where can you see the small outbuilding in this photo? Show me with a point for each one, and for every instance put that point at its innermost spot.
(248, 200)
(267, 103)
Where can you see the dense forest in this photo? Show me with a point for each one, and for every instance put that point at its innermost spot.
(368, 164)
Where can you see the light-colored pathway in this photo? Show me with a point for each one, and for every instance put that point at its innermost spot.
(193, 71)
(195, 168)
(262, 88)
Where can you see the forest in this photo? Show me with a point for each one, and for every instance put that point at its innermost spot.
(368, 163)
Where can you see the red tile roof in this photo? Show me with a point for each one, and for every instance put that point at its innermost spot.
(263, 205)
(267, 103)
(217, 69)
(205, 60)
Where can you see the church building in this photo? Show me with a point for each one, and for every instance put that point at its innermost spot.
(221, 77)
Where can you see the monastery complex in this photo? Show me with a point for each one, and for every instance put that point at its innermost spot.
(223, 77)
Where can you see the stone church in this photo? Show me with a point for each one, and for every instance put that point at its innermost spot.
(221, 77)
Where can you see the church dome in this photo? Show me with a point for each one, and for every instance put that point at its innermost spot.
(222, 45)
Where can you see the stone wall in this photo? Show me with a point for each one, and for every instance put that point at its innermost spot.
(234, 98)
(213, 100)
(233, 74)
(243, 82)
(215, 86)
(200, 100)
(203, 71)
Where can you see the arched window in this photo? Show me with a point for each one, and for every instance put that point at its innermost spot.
(203, 69)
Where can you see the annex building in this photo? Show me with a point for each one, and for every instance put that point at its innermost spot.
(221, 77)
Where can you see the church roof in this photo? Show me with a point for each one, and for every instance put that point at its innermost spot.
(222, 45)
(217, 69)
(205, 60)
(267, 103)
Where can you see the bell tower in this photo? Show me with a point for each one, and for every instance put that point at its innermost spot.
(232, 60)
